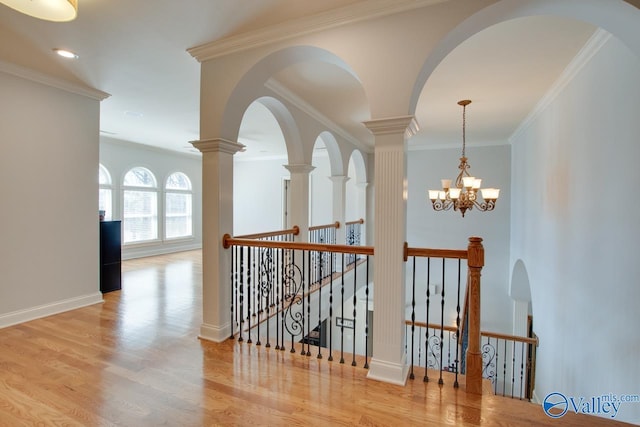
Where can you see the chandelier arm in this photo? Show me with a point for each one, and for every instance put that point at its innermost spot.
(442, 205)
(486, 206)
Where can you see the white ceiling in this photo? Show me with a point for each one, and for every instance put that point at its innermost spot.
(137, 52)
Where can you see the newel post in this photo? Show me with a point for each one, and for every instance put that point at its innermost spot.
(474, 355)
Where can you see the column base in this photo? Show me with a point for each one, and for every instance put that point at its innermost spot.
(214, 333)
(474, 373)
(388, 372)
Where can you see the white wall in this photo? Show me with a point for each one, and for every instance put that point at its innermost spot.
(321, 204)
(427, 228)
(120, 156)
(49, 188)
(575, 227)
(258, 195)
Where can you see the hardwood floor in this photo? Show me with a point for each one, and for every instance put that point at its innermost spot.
(136, 361)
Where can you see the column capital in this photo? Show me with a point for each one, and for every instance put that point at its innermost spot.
(394, 125)
(339, 179)
(217, 145)
(299, 168)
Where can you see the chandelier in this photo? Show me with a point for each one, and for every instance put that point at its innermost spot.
(464, 196)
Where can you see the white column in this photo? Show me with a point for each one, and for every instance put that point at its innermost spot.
(300, 198)
(339, 205)
(217, 219)
(388, 362)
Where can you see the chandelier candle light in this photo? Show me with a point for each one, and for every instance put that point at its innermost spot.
(464, 196)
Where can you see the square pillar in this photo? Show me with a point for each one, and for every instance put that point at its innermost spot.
(217, 219)
(388, 362)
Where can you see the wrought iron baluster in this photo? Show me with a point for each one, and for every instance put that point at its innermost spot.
(419, 348)
(258, 292)
(413, 315)
(440, 381)
(504, 370)
(513, 367)
(342, 315)
(457, 361)
(241, 302)
(320, 331)
(330, 328)
(366, 317)
(249, 295)
(355, 300)
(233, 289)
(426, 331)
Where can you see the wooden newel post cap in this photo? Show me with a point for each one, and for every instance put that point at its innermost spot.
(476, 252)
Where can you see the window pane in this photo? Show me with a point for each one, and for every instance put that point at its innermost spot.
(178, 218)
(178, 181)
(140, 216)
(104, 203)
(139, 177)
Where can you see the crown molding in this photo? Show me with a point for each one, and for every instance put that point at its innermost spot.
(599, 38)
(356, 12)
(289, 96)
(38, 77)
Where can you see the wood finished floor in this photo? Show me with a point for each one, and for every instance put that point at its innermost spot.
(136, 361)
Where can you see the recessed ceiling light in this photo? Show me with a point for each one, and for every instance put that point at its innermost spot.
(133, 114)
(65, 53)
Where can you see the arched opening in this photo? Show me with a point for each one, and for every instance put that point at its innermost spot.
(258, 172)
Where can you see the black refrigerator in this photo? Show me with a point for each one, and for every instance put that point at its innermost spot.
(110, 256)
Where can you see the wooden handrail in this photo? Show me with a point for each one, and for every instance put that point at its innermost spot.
(357, 221)
(431, 325)
(228, 241)
(437, 253)
(320, 227)
(295, 231)
(484, 334)
(510, 338)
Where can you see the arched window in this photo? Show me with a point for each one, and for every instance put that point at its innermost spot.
(178, 206)
(105, 200)
(140, 211)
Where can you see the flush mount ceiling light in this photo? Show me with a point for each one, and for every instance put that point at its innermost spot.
(49, 10)
(464, 195)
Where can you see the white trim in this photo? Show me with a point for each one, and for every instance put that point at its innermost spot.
(388, 372)
(35, 76)
(45, 310)
(214, 333)
(599, 38)
(160, 249)
(356, 12)
(312, 112)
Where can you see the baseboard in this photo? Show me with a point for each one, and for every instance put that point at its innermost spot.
(45, 310)
(214, 333)
(146, 251)
(535, 398)
(388, 372)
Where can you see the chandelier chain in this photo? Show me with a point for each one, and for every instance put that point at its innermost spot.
(464, 123)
